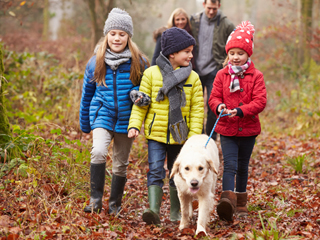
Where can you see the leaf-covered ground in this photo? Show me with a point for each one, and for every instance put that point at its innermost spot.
(283, 189)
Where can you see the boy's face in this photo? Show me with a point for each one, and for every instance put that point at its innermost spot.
(181, 58)
(117, 40)
(237, 56)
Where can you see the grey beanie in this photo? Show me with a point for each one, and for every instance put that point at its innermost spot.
(120, 20)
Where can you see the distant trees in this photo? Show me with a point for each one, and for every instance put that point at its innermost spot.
(98, 14)
(304, 55)
(45, 30)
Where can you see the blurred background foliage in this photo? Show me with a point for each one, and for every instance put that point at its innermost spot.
(47, 43)
(44, 48)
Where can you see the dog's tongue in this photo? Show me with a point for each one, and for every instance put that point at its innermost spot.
(194, 190)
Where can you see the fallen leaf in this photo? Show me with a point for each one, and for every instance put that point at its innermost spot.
(12, 13)
(15, 230)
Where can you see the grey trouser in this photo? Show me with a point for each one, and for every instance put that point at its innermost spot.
(121, 149)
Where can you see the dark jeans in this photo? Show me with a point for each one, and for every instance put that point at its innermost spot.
(156, 157)
(207, 82)
(236, 155)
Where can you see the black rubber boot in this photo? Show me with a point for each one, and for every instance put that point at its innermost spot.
(174, 205)
(97, 179)
(151, 215)
(117, 187)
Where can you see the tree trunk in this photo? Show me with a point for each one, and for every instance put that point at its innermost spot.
(104, 9)
(45, 31)
(315, 53)
(306, 30)
(95, 30)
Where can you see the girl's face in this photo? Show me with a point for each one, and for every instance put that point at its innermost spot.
(237, 56)
(117, 40)
(180, 21)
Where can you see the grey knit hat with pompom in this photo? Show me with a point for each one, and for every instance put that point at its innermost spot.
(120, 20)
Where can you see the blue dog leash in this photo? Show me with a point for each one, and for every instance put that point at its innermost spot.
(220, 115)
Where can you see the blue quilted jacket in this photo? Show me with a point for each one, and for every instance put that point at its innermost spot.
(106, 107)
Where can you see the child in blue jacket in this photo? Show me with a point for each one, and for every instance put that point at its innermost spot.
(110, 86)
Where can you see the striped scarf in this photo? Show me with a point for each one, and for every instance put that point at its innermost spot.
(235, 72)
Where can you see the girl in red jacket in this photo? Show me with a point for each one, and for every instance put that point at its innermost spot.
(239, 90)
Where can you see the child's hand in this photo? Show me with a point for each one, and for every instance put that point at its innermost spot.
(233, 112)
(222, 107)
(133, 133)
(139, 99)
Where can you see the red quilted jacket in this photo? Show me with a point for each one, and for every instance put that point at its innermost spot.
(251, 98)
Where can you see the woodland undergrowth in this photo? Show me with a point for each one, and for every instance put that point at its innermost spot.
(45, 185)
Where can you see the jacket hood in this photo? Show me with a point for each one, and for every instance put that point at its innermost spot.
(157, 33)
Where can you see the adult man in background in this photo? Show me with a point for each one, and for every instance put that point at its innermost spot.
(211, 30)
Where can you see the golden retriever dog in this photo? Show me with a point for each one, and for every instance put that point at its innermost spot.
(195, 175)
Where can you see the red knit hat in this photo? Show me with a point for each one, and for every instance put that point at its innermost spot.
(242, 37)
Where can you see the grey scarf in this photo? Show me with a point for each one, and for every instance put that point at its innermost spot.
(173, 81)
(115, 59)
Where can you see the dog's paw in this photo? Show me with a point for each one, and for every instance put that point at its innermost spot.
(201, 235)
(183, 225)
(201, 230)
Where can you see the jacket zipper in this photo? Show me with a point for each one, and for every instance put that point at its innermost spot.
(115, 98)
(168, 131)
(151, 124)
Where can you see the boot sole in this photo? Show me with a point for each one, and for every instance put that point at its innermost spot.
(242, 214)
(89, 210)
(150, 218)
(95, 205)
(225, 211)
(114, 210)
(175, 217)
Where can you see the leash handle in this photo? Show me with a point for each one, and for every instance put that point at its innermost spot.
(220, 115)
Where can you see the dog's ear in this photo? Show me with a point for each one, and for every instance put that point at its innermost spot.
(211, 165)
(175, 168)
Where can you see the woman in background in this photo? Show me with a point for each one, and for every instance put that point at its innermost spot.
(180, 19)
